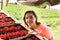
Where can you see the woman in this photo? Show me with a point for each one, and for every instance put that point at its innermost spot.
(7, 2)
(30, 20)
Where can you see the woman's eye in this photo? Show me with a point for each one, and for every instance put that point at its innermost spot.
(26, 18)
(31, 17)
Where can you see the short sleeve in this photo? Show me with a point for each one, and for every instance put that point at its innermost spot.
(48, 33)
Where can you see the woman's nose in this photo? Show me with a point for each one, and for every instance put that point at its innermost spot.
(29, 19)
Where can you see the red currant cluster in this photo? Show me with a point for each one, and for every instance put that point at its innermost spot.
(2, 15)
(4, 20)
(31, 37)
(10, 30)
(13, 31)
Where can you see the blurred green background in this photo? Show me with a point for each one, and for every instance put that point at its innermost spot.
(45, 16)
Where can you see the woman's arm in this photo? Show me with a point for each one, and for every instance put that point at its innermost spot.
(48, 34)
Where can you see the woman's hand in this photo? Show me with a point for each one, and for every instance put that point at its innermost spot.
(32, 32)
(1, 39)
(45, 38)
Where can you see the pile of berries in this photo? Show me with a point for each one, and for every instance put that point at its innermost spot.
(9, 29)
(13, 31)
(31, 37)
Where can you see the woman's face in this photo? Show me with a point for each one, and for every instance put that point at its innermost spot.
(30, 19)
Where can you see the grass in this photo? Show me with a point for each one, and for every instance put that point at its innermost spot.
(45, 16)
